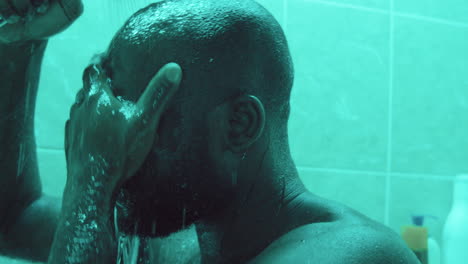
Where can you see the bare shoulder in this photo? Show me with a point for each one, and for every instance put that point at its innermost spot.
(355, 239)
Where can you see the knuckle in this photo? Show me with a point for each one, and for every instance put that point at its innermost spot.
(164, 84)
(73, 110)
(38, 3)
(79, 97)
(17, 7)
(72, 8)
(40, 6)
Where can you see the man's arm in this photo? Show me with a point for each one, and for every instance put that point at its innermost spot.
(27, 218)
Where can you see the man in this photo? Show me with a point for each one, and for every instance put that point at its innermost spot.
(203, 141)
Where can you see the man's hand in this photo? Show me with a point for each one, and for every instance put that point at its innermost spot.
(110, 137)
(25, 20)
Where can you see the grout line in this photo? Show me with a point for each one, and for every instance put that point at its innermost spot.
(331, 170)
(391, 51)
(391, 60)
(438, 177)
(285, 15)
(350, 6)
(49, 149)
(423, 176)
(432, 19)
(395, 14)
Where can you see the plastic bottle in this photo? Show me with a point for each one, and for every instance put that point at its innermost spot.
(420, 241)
(415, 237)
(455, 232)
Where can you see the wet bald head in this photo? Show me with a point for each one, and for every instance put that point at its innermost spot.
(226, 48)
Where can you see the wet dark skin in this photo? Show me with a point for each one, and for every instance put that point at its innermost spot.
(209, 147)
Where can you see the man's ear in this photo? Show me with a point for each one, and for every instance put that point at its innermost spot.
(246, 122)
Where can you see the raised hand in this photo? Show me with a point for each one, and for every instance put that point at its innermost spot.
(107, 138)
(24, 20)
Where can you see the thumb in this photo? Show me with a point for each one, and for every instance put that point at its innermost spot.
(158, 93)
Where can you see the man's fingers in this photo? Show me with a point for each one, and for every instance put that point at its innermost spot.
(159, 91)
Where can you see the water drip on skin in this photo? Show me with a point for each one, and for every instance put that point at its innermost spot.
(128, 109)
(104, 100)
(22, 155)
(127, 245)
(21, 161)
(127, 251)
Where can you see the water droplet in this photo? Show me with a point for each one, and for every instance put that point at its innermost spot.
(104, 100)
(21, 161)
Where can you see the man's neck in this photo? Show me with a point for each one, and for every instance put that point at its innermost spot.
(260, 213)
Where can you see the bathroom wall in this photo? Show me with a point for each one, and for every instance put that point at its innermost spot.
(378, 107)
(378, 119)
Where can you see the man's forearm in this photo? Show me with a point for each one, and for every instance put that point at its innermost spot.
(21, 207)
(19, 75)
(85, 233)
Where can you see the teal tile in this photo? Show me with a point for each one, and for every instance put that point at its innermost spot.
(452, 10)
(430, 100)
(53, 171)
(378, 4)
(420, 196)
(362, 192)
(57, 88)
(340, 97)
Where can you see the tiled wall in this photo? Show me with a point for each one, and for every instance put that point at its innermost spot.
(378, 119)
(378, 108)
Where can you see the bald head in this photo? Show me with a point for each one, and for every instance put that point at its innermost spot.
(225, 48)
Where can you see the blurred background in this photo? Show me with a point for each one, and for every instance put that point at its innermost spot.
(379, 107)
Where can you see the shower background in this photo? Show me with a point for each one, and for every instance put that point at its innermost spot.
(379, 107)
